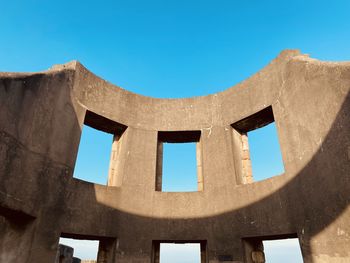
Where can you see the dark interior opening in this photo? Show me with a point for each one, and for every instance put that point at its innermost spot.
(101, 123)
(179, 136)
(255, 121)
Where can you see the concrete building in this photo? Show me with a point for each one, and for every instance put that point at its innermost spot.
(41, 118)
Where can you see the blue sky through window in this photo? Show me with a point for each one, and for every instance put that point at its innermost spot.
(83, 249)
(190, 253)
(265, 153)
(93, 157)
(283, 250)
(179, 167)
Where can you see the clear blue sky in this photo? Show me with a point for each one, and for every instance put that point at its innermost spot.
(169, 48)
(173, 48)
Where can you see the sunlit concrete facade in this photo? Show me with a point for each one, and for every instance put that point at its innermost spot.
(41, 118)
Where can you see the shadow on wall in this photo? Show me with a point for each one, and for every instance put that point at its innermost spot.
(315, 199)
(318, 198)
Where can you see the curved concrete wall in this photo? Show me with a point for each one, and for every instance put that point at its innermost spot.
(41, 116)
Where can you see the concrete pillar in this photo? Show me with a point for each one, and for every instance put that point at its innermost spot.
(200, 179)
(254, 251)
(137, 146)
(217, 159)
(203, 248)
(241, 157)
(159, 168)
(106, 251)
(247, 173)
(64, 254)
(114, 177)
(156, 252)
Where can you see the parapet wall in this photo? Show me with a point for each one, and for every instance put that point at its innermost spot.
(41, 117)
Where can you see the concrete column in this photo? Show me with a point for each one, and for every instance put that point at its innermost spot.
(254, 251)
(137, 147)
(159, 168)
(106, 251)
(115, 178)
(217, 159)
(247, 174)
(64, 254)
(203, 248)
(241, 157)
(156, 252)
(200, 179)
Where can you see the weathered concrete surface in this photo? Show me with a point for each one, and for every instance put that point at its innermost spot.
(65, 254)
(41, 116)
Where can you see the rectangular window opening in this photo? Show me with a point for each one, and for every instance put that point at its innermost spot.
(257, 153)
(282, 248)
(179, 251)
(76, 247)
(100, 144)
(71, 250)
(179, 162)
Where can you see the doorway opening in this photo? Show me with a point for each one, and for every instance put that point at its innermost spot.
(179, 251)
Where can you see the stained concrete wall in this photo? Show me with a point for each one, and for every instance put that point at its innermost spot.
(41, 117)
(65, 254)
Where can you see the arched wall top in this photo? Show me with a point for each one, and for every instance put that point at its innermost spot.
(220, 109)
(41, 115)
(261, 90)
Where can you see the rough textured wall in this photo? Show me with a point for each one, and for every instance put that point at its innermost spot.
(64, 254)
(41, 117)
